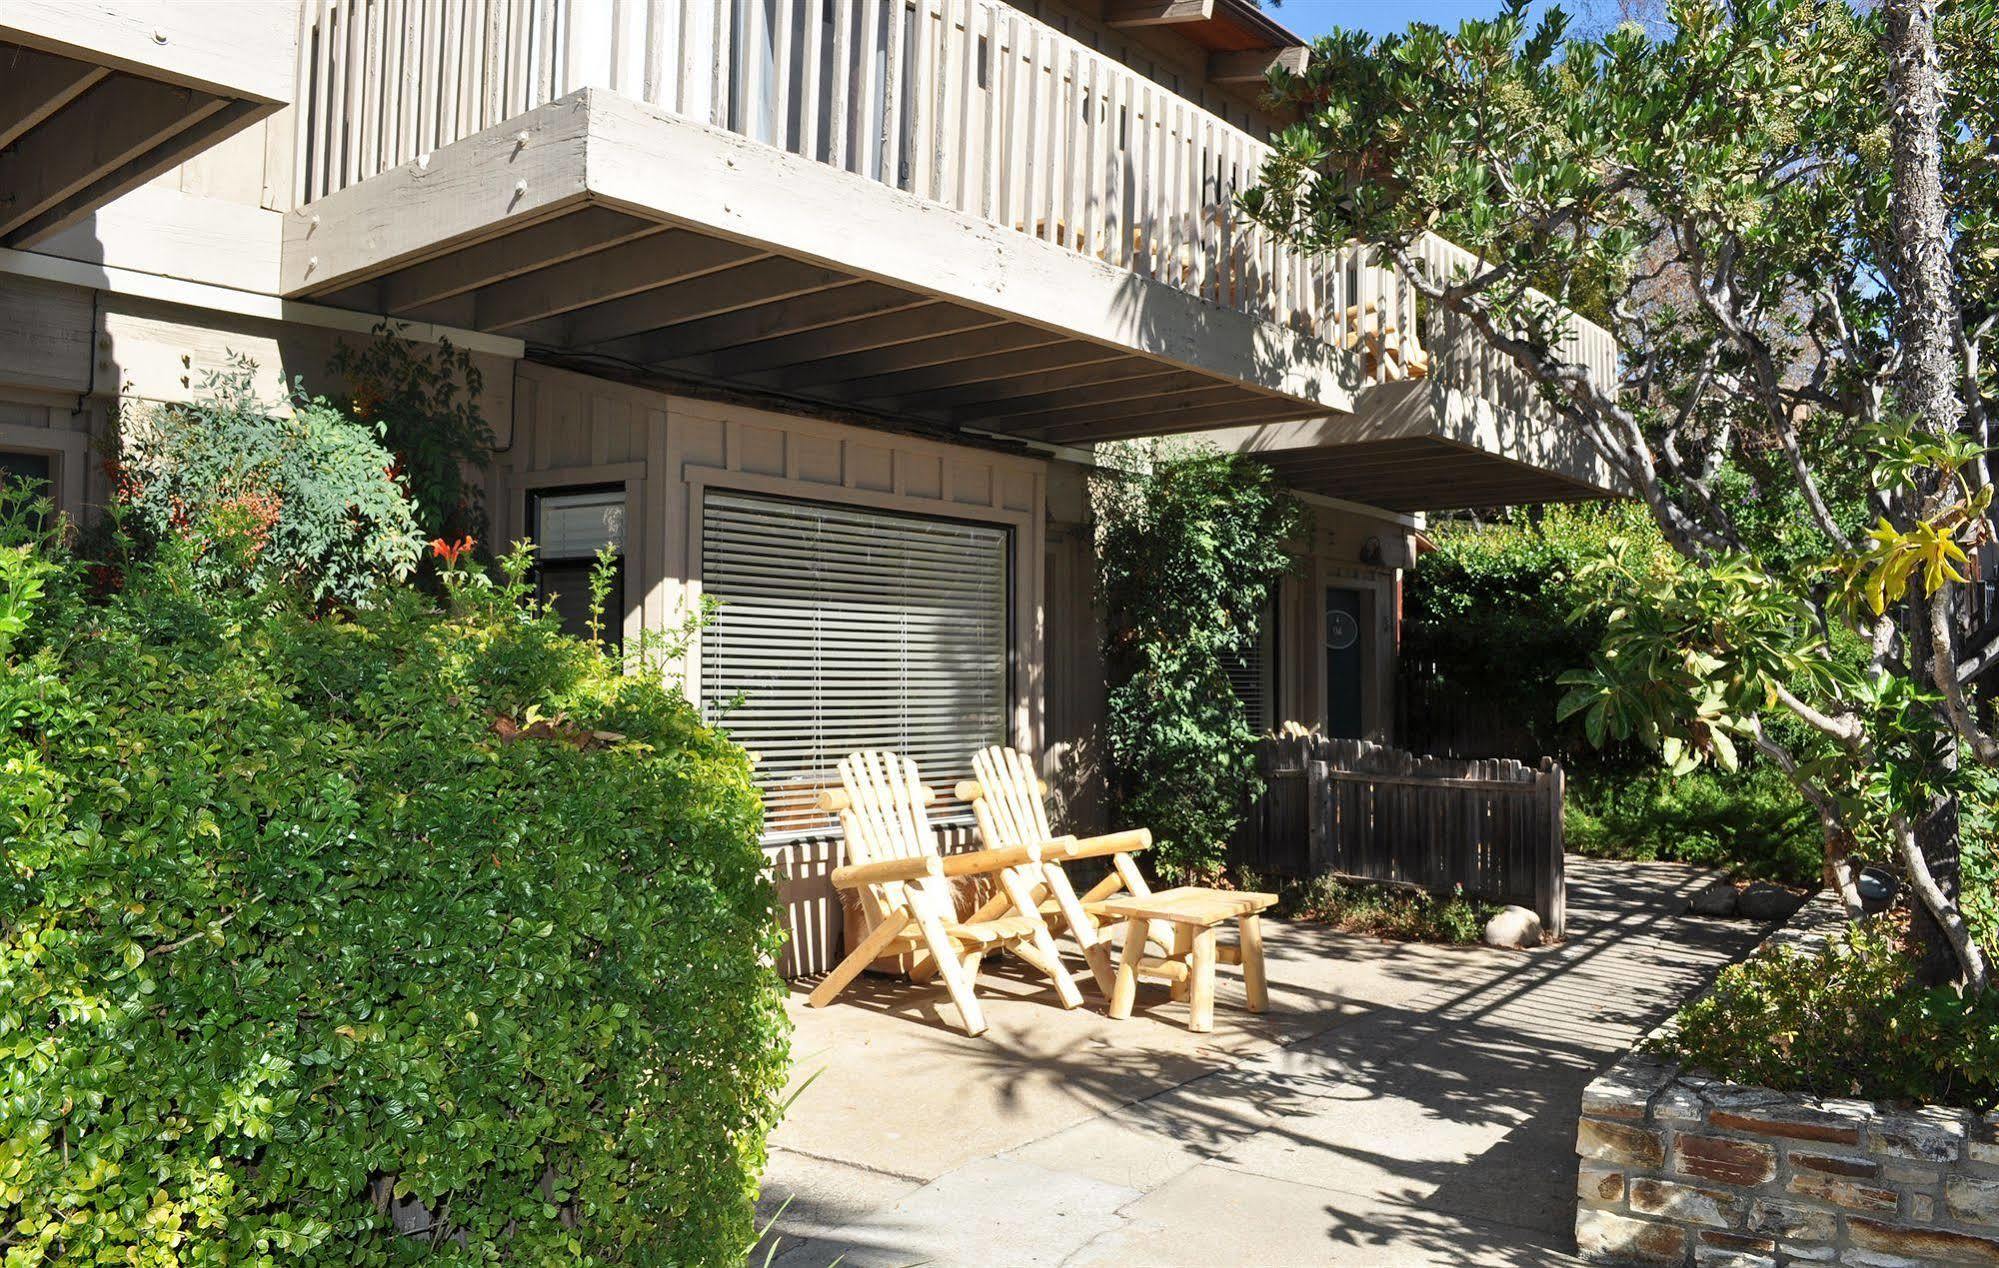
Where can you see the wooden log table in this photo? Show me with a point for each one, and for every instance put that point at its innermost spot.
(1195, 914)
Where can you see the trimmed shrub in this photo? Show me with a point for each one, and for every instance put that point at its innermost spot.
(258, 497)
(1847, 1020)
(380, 938)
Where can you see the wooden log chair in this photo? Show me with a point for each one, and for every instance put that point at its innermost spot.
(1006, 798)
(904, 885)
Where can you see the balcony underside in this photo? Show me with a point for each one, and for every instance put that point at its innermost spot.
(601, 227)
(1426, 447)
(97, 99)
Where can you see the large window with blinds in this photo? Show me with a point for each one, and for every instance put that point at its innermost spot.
(843, 628)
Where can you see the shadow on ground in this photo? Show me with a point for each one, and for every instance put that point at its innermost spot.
(1399, 1104)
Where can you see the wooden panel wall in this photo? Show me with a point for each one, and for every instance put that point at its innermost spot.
(575, 429)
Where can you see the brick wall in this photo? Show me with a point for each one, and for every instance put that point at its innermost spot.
(1679, 1169)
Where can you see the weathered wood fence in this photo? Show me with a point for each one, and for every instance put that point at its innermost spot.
(1355, 809)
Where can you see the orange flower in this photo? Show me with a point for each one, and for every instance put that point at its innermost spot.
(449, 552)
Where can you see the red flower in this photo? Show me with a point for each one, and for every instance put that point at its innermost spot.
(449, 552)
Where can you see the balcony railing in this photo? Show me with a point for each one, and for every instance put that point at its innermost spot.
(1469, 364)
(967, 103)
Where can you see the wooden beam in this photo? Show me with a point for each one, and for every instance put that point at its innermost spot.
(649, 263)
(1209, 392)
(987, 395)
(760, 281)
(1252, 66)
(1157, 12)
(578, 234)
(1167, 383)
(108, 127)
(767, 323)
(815, 352)
(230, 50)
(895, 388)
(34, 85)
(914, 354)
(1158, 422)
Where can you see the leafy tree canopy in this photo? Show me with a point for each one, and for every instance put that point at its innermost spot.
(1787, 211)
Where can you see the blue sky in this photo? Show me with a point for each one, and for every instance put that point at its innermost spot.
(1311, 18)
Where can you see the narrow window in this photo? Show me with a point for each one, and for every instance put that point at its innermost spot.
(569, 527)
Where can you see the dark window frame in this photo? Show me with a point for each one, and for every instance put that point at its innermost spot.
(614, 608)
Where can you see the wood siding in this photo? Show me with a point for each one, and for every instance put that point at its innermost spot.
(666, 450)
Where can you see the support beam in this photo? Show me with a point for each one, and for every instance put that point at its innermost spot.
(913, 354)
(822, 348)
(105, 128)
(655, 261)
(760, 281)
(570, 237)
(1169, 385)
(1198, 396)
(692, 343)
(1157, 12)
(894, 388)
(202, 129)
(1251, 67)
(991, 396)
(1164, 422)
(36, 85)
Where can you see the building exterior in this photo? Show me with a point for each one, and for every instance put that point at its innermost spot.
(816, 307)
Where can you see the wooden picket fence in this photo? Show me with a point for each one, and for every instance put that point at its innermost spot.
(1354, 809)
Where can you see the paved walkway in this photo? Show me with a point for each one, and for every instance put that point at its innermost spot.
(1398, 1105)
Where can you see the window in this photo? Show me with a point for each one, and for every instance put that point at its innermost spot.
(36, 469)
(842, 629)
(1253, 675)
(569, 527)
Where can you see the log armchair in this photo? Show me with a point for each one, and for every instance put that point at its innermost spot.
(903, 883)
(1006, 801)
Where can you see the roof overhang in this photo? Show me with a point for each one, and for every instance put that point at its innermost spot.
(97, 98)
(1423, 446)
(599, 226)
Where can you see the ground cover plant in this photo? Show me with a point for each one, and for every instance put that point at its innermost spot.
(364, 934)
(1382, 911)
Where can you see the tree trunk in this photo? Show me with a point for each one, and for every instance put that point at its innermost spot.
(1926, 317)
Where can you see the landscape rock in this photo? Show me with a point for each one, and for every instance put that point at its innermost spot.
(1718, 899)
(1765, 901)
(1513, 927)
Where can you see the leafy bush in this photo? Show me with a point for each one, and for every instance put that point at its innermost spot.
(1385, 911)
(1189, 543)
(1496, 615)
(1750, 823)
(426, 402)
(260, 498)
(311, 926)
(1848, 1020)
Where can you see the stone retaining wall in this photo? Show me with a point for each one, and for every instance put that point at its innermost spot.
(1680, 1169)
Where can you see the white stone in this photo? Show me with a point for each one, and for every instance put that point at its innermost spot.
(1513, 927)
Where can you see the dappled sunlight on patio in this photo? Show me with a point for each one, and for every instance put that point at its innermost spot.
(1399, 1103)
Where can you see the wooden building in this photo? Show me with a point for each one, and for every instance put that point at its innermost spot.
(819, 307)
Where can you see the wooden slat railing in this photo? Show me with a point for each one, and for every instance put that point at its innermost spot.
(1354, 809)
(1468, 363)
(968, 103)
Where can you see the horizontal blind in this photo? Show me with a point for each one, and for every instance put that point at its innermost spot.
(1253, 674)
(842, 629)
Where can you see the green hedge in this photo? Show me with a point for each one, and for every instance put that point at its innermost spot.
(305, 919)
(1847, 1020)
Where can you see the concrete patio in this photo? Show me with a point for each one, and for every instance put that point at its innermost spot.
(1399, 1104)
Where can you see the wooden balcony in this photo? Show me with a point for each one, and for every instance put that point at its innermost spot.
(99, 96)
(1473, 431)
(938, 209)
